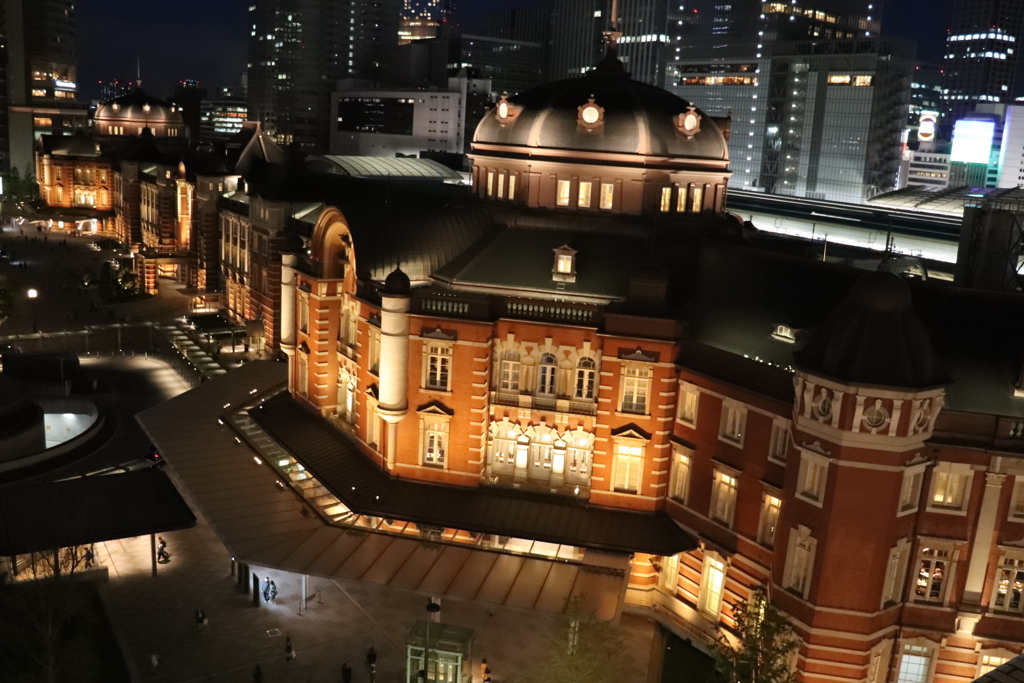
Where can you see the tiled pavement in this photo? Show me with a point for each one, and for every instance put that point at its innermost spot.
(157, 615)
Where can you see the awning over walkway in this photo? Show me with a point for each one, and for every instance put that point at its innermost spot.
(42, 517)
(364, 488)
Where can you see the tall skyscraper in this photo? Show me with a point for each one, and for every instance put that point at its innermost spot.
(982, 46)
(298, 49)
(41, 85)
(425, 19)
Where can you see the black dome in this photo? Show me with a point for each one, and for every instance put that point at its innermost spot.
(397, 283)
(638, 118)
(874, 337)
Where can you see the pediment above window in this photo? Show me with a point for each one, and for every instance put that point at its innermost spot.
(438, 333)
(631, 431)
(639, 355)
(435, 408)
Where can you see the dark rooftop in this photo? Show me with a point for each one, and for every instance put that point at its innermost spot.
(365, 489)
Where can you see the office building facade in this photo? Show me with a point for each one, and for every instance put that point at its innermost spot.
(298, 49)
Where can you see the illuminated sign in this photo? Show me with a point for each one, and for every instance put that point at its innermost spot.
(972, 141)
(70, 85)
(926, 125)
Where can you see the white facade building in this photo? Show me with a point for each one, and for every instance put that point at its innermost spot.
(375, 122)
(1011, 154)
(924, 169)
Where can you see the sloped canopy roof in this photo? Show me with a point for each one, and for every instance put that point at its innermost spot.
(383, 167)
(42, 517)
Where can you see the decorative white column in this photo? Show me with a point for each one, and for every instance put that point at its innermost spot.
(981, 548)
(288, 262)
(394, 357)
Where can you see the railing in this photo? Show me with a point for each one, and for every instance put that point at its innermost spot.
(432, 302)
(578, 314)
(553, 404)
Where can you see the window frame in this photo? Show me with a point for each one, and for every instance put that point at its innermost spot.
(768, 529)
(510, 372)
(585, 376)
(944, 471)
(1016, 500)
(811, 462)
(800, 560)
(607, 192)
(733, 411)
(919, 648)
(1007, 556)
(443, 352)
(689, 397)
(896, 573)
(680, 473)
(724, 480)
(781, 429)
(949, 560)
(547, 375)
(631, 383)
(713, 562)
(584, 200)
(563, 192)
(435, 428)
(628, 460)
(910, 490)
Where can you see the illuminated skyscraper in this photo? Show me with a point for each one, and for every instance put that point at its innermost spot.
(41, 84)
(424, 19)
(981, 54)
(298, 49)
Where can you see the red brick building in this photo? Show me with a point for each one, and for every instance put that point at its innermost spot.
(592, 330)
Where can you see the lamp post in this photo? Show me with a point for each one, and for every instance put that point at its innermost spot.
(33, 294)
(432, 609)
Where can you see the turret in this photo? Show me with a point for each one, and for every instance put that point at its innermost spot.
(394, 356)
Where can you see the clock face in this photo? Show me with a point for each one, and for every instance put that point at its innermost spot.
(590, 114)
(690, 122)
(503, 110)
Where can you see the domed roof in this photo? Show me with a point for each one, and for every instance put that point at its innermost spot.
(397, 283)
(138, 107)
(874, 337)
(626, 117)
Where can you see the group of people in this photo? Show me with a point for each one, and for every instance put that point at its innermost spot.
(346, 670)
(269, 589)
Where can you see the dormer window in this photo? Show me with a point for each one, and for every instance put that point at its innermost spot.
(784, 333)
(564, 269)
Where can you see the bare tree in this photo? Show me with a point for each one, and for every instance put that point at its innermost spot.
(765, 645)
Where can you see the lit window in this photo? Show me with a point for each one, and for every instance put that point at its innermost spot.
(510, 368)
(698, 199)
(862, 80)
(541, 446)
(932, 568)
(439, 359)
(303, 379)
(681, 464)
(374, 339)
(490, 183)
(501, 185)
(1009, 585)
(712, 585)
(800, 561)
(435, 444)
(629, 460)
(770, 509)
(949, 487)
(546, 374)
(585, 379)
(636, 385)
(578, 455)
(511, 185)
(607, 195)
(681, 197)
(666, 199)
(813, 477)
(346, 397)
(584, 194)
(989, 663)
(563, 263)
(915, 664)
(910, 490)
(723, 497)
(303, 314)
(669, 576)
(734, 422)
(689, 399)
(563, 192)
(778, 447)
(839, 79)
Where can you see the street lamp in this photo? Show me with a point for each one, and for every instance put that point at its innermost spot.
(33, 295)
(432, 609)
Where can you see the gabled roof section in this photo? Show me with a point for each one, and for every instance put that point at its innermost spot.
(383, 167)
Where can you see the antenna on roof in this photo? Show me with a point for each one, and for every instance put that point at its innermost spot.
(611, 36)
(138, 71)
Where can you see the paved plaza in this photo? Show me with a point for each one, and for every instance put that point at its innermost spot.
(339, 624)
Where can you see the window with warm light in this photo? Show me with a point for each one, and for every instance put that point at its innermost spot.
(438, 367)
(680, 474)
(562, 197)
(698, 199)
(933, 566)
(563, 263)
(723, 497)
(666, 199)
(490, 183)
(734, 422)
(681, 200)
(501, 185)
(689, 400)
(636, 386)
(949, 487)
(511, 185)
(1008, 587)
(629, 459)
(607, 195)
(712, 585)
(583, 200)
(586, 376)
(771, 507)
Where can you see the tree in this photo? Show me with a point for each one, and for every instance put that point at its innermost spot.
(584, 650)
(765, 643)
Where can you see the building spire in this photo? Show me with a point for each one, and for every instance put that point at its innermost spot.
(611, 65)
(138, 72)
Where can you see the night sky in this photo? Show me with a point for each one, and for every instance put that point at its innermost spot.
(205, 39)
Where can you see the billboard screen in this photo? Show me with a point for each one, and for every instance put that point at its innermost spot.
(972, 141)
(926, 125)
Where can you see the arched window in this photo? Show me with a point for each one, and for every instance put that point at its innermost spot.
(541, 445)
(546, 375)
(502, 450)
(579, 454)
(586, 372)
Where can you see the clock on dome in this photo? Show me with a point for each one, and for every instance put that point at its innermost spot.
(590, 115)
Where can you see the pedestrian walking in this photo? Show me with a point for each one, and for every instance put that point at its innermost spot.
(371, 663)
(265, 589)
(289, 651)
(161, 551)
(89, 558)
(201, 620)
(257, 674)
(273, 592)
(154, 661)
(346, 673)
